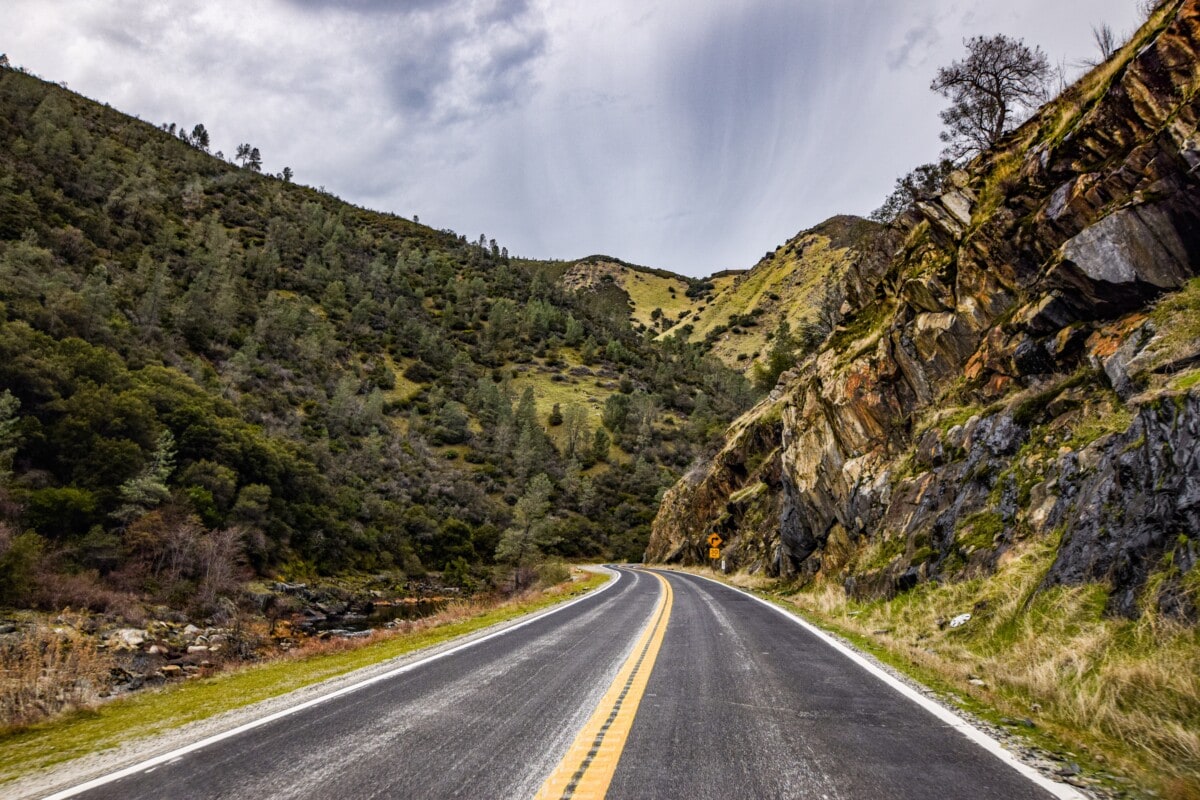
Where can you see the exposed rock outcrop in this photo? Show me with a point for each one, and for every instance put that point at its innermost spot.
(1013, 371)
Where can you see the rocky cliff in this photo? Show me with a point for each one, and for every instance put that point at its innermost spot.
(1020, 364)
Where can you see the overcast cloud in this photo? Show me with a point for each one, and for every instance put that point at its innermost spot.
(679, 134)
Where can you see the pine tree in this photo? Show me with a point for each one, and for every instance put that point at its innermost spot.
(148, 488)
(600, 444)
(8, 434)
(200, 137)
(520, 546)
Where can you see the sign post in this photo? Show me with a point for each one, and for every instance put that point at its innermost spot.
(714, 547)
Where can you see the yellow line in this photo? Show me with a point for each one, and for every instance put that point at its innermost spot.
(589, 765)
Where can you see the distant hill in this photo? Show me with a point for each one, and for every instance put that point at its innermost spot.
(801, 281)
(734, 314)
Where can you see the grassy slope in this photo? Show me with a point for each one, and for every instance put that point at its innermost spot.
(1117, 697)
(649, 291)
(790, 284)
(1122, 695)
(149, 713)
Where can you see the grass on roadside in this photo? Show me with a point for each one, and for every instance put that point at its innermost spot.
(146, 714)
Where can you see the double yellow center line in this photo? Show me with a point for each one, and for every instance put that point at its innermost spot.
(589, 765)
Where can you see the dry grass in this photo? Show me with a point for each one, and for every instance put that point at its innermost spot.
(1127, 692)
(47, 670)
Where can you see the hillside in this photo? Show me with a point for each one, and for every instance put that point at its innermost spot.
(1004, 425)
(735, 315)
(209, 375)
(802, 282)
(654, 296)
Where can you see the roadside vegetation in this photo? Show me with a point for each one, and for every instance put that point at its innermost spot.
(1119, 698)
(93, 727)
(1123, 694)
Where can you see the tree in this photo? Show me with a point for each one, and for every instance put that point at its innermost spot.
(556, 416)
(780, 358)
(149, 488)
(249, 156)
(1106, 41)
(520, 546)
(927, 180)
(287, 174)
(200, 137)
(575, 428)
(616, 412)
(8, 433)
(988, 90)
(600, 444)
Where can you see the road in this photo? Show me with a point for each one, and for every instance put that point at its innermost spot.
(662, 685)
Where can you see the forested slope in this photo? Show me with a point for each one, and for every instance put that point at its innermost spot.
(207, 373)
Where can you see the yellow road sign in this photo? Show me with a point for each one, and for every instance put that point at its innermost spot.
(714, 553)
(715, 540)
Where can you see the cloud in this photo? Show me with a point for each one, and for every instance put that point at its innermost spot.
(684, 135)
(914, 51)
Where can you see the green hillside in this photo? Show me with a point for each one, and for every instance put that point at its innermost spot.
(207, 373)
(735, 315)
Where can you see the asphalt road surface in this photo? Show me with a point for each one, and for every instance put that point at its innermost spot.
(662, 685)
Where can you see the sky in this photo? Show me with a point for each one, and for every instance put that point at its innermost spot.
(689, 135)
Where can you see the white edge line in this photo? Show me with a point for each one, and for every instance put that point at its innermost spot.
(194, 746)
(991, 745)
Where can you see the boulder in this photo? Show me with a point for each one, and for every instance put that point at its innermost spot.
(126, 638)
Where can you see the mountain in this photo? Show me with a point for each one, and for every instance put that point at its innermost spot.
(735, 315)
(208, 374)
(1004, 423)
(802, 281)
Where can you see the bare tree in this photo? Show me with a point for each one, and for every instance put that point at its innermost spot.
(1106, 41)
(990, 90)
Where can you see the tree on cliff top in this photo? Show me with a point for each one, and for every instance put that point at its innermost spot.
(998, 80)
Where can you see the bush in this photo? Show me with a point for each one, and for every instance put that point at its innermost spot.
(19, 556)
(47, 671)
(553, 572)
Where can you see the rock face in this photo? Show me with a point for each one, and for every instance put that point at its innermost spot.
(1022, 369)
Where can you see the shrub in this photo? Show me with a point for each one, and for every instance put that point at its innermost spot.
(48, 670)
